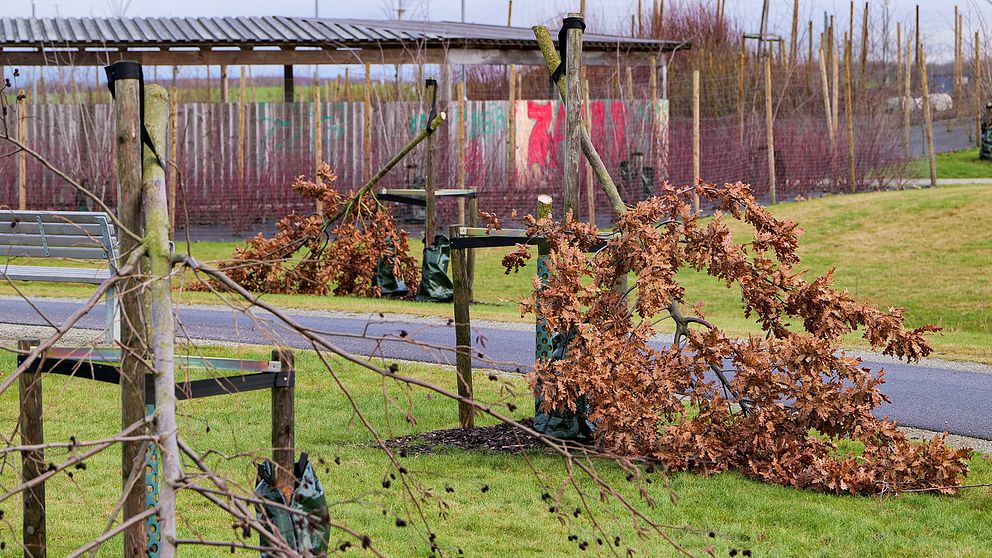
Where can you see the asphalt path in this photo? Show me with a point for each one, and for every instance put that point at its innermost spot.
(932, 397)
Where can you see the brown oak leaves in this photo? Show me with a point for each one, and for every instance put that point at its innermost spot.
(308, 257)
(666, 404)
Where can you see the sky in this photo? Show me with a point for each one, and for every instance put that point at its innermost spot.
(602, 15)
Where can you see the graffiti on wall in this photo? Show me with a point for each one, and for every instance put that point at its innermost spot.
(617, 129)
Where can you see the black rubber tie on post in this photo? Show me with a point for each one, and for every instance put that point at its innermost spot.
(129, 69)
(566, 24)
(431, 84)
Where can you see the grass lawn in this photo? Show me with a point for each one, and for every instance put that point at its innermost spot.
(954, 164)
(924, 250)
(507, 520)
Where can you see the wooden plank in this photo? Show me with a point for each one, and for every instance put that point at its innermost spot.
(463, 333)
(32, 461)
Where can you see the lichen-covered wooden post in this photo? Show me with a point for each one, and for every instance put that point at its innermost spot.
(32, 461)
(284, 420)
(125, 78)
(463, 331)
(162, 323)
(573, 112)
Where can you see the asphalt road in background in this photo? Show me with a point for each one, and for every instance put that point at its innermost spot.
(940, 398)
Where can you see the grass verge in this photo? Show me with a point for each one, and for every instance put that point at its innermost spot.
(925, 250)
(953, 164)
(507, 520)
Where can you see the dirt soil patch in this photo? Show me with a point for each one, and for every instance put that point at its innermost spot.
(500, 438)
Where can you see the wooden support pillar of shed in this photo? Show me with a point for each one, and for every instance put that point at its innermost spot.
(287, 83)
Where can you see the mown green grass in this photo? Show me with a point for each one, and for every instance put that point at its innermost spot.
(954, 164)
(926, 250)
(508, 520)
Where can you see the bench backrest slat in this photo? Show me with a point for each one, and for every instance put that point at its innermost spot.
(31, 227)
(53, 252)
(85, 235)
(87, 217)
(63, 240)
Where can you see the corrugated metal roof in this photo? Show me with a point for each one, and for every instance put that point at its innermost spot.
(282, 31)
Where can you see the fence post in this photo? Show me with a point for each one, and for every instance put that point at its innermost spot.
(927, 117)
(907, 99)
(978, 93)
(32, 461)
(573, 115)
(741, 61)
(242, 125)
(22, 157)
(367, 116)
(511, 129)
(769, 130)
(133, 331)
(318, 143)
(826, 102)
(463, 331)
(849, 110)
(284, 420)
(695, 139)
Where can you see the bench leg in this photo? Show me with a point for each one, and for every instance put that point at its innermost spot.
(113, 330)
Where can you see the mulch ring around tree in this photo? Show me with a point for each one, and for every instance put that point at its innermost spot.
(498, 438)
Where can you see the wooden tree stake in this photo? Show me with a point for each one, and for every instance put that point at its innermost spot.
(849, 113)
(770, 131)
(463, 332)
(927, 117)
(134, 331)
(511, 128)
(284, 420)
(907, 105)
(695, 139)
(741, 61)
(828, 113)
(33, 462)
(22, 160)
(318, 141)
(573, 118)
(430, 184)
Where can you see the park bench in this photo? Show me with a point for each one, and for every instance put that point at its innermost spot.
(72, 235)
